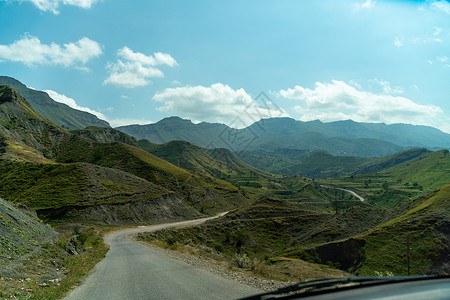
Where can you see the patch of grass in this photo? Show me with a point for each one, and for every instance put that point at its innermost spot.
(78, 268)
(54, 255)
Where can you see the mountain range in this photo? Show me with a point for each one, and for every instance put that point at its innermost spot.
(343, 138)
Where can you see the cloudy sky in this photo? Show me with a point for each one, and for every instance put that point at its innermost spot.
(140, 61)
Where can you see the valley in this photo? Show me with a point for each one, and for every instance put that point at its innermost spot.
(304, 199)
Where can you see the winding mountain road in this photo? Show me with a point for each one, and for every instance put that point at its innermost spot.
(131, 270)
(345, 190)
(353, 193)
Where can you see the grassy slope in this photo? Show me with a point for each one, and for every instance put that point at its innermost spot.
(320, 164)
(363, 240)
(201, 191)
(427, 223)
(402, 182)
(105, 135)
(219, 163)
(273, 232)
(43, 186)
(386, 162)
(37, 139)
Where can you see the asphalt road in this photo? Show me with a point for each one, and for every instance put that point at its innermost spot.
(133, 271)
(348, 191)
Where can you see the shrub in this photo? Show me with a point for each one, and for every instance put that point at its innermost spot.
(218, 247)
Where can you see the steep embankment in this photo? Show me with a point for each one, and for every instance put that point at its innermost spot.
(20, 234)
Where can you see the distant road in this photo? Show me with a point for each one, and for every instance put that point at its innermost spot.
(353, 193)
(348, 191)
(133, 271)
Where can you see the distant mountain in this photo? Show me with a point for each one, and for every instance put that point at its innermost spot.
(206, 135)
(344, 138)
(59, 113)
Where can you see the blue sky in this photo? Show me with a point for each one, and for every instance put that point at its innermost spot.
(140, 61)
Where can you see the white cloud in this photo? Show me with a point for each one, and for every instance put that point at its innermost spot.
(386, 87)
(80, 3)
(442, 5)
(217, 103)
(366, 5)
(398, 42)
(437, 31)
(113, 122)
(442, 59)
(340, 101)
(53, 5)
(134, 69)
(73, 104)
(30, 51)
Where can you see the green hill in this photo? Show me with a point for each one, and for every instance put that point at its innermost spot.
(382, 163)
(401, 182)
(37, 151)
(219, 163)
(29, 135)
(426, 221)
(105, 135)
(320, 164)
(58, 113)
(366, 241)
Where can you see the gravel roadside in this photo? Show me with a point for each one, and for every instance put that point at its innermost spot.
(214, 267)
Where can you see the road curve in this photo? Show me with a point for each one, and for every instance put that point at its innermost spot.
(131, 270)
(354, 194)
(345, 190)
